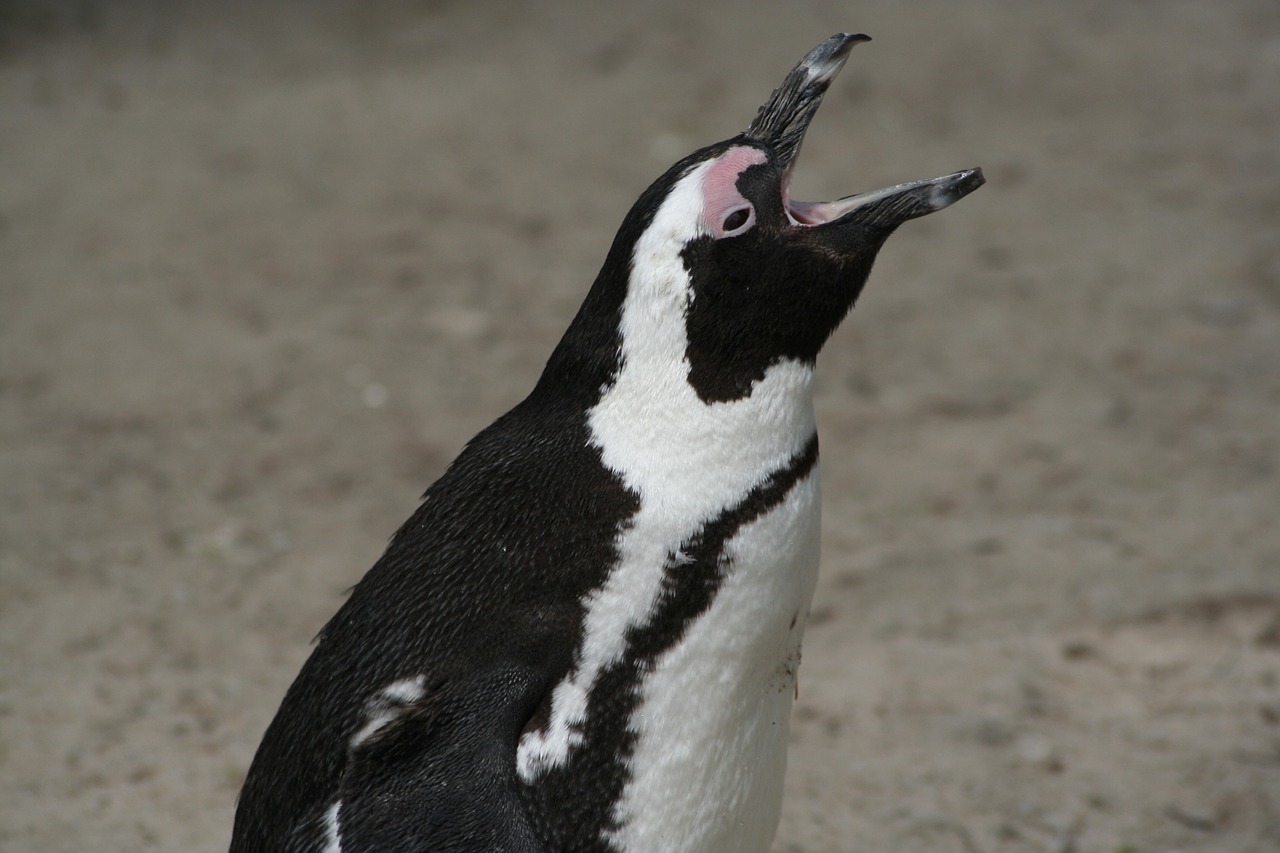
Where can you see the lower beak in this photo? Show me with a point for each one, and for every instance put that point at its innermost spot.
(891, 206)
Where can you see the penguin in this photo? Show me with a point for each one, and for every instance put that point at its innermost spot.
(586, 637)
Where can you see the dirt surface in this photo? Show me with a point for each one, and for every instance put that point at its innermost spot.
(264, 268)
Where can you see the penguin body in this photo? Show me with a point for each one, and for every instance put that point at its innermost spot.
(586, 637)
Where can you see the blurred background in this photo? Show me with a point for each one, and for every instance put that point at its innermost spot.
(265, 267)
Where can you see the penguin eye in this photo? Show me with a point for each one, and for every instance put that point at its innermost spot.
(736, 221)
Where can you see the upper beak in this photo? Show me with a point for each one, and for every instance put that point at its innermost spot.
(781, 124)
(784, 118)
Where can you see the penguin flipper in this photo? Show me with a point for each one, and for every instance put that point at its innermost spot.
(432, 769)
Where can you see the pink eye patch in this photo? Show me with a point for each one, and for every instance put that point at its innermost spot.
(720, 196)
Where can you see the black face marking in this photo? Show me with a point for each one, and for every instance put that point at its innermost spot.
(773, 293)
(585, 789)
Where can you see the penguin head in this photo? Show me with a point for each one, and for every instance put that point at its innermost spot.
(718, 268)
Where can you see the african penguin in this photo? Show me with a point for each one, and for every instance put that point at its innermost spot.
(586, 637)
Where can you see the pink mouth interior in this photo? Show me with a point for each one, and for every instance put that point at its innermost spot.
(810, 213)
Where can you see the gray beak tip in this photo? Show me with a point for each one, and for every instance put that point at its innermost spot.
(824, 62)
(892, 206)
(951, 189)
(782, 120)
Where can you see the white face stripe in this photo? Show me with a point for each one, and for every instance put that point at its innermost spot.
(642, 422)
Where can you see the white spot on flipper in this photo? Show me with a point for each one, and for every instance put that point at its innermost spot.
(389, 704)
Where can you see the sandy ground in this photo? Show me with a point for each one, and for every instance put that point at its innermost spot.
(264, 269)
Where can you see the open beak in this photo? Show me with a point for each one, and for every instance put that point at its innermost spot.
(781, 124)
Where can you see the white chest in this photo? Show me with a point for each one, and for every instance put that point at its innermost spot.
(712, 725)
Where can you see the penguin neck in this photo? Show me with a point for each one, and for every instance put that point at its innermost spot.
(655, 430)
